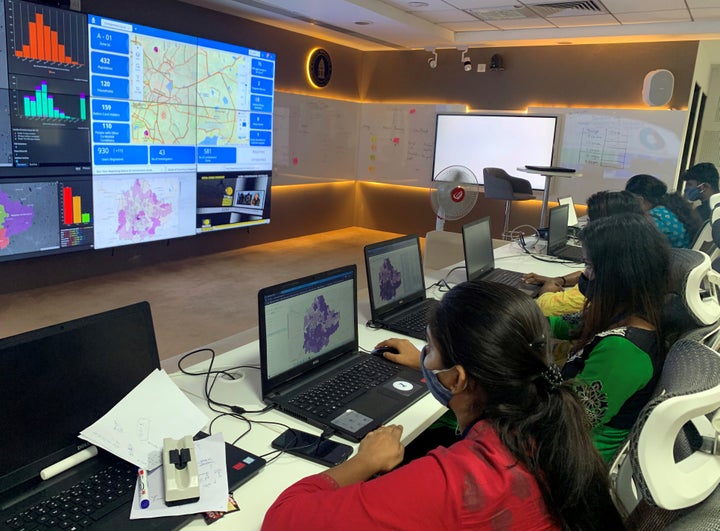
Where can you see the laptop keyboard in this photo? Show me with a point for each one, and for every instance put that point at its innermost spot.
(416, 321)
(509, 278)
(83, 504)
(330, 395)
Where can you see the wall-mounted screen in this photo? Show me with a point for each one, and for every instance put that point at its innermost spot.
(480, 141)
(115, 130)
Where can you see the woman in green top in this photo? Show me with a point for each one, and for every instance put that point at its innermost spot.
(619, 352)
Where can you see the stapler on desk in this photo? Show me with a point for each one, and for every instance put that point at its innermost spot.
(180, 471)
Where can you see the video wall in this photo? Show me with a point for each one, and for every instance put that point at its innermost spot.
(113, 133)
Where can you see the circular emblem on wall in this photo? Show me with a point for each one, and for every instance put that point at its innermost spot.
(319, 67)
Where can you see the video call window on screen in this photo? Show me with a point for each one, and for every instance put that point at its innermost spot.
(115, 129)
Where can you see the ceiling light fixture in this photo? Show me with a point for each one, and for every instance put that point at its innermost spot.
(464, 59)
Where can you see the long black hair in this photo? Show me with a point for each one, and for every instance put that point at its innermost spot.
(498, 335)
(631, 263)
(654, 191)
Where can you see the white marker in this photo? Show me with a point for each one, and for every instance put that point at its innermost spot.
(142, 484)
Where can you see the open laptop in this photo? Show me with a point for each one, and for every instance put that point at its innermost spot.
(558, 236)
(396, 283)
(54, 382)
(480, 260)
(309, 341)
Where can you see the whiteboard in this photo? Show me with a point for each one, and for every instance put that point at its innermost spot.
(396, 142)
(608, 146)
(315, 139)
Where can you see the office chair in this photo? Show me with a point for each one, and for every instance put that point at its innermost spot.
(671, 460)
(692, 305)
(704, 240)
(442, 249)
(499, 185)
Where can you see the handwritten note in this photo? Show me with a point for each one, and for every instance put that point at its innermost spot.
(135, 428)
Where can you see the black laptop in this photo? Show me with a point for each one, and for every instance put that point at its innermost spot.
(396, 283)
(558, 236)
(310, 365)
(480, 260)
(55, 382)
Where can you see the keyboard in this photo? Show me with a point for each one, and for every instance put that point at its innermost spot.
(83, 504)
(509, 278)
(415, 321)
(332, 394)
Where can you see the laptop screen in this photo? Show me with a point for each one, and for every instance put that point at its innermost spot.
(558, 227)
(57, 380)
(395, 272)
(477, 243)
(305, 323)
(572, 216)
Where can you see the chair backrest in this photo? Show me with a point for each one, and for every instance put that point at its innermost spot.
(696, 285)
(670, 459)
(704, 239)
(442, 249)
(499, 185)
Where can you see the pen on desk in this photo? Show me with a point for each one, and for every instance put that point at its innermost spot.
(143, 483)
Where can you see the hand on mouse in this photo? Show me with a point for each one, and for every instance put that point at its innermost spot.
(407, 353)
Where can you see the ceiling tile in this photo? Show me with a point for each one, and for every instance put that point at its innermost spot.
(432, 5)
(584, 20)
(673, 15)
(526, 23)
(707, 13)
(448, 15)
(478, 25)
(639, 6)
(701, 3)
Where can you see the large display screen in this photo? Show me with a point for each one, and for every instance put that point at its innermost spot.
(479, 141)
(121, 133)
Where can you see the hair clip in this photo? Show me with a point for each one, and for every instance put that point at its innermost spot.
(552, 376)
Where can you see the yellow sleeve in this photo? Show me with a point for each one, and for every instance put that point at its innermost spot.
(561, 302)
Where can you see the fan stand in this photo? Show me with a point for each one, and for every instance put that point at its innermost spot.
(440, 220)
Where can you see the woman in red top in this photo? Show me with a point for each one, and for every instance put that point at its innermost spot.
(525, 460)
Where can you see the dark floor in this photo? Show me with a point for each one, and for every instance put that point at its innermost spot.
(195, 301)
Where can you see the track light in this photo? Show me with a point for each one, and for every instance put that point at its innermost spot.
(465, 60)
(432, 61)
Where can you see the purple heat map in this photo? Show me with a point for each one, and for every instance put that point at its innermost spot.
(14, 219)
(321, 322)
(390, 280)
(140, 212)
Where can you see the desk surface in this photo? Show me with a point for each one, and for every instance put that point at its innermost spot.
(260, 492)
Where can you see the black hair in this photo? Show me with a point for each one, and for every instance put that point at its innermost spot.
(704, 172)
(498, 335)
(631, 264)
(607, 203)
(654, 191)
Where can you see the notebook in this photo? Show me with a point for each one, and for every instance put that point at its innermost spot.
(396, 283)
(480, 260)
(56, 381)
(309, 340)
(558, 236)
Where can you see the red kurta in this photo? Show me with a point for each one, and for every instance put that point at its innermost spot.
(474, 484)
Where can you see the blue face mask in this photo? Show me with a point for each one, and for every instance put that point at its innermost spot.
(693, 194)
(441, 393)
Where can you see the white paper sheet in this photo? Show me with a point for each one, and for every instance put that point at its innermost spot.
(135, 428)
(212, 474)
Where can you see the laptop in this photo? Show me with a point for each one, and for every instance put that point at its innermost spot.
(480, 260)
(54, 382)
(396, 283)
(558, 236)
(573, 220)
(309, 341)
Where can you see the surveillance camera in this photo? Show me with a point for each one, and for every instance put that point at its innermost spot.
(467, 66)
(432, 62)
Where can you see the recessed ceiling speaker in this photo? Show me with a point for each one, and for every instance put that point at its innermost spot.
(658, 87)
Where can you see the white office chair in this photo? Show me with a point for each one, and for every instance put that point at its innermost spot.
(442, 249)
(671, 460)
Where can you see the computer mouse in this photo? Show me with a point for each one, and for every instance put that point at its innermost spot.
(379, 351)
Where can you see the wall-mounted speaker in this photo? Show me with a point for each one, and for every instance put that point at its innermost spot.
(658, 87)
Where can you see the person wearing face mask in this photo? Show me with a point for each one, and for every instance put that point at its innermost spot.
(619, 349)
(524, 460)
(701, 182)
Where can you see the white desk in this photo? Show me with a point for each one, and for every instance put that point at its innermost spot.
(256, 496)
(546, 193)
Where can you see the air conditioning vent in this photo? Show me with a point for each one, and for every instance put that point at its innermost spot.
(578, 7)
